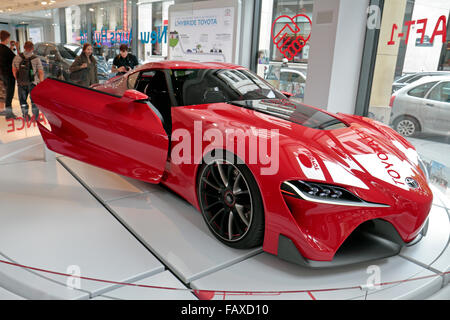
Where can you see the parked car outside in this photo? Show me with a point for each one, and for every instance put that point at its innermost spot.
(55, 58)
(288, 79)
(422, 106)
(413, 77)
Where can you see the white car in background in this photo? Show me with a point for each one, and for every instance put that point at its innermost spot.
(413, 77)
(422, 106)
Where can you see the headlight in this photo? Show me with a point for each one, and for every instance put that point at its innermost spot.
(324, 193)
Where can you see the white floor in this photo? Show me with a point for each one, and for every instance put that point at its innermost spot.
(69, 217)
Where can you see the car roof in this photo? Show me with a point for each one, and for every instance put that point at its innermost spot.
(171, 64)
(424, 80)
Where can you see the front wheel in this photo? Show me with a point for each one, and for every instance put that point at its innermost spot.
(231, 203)
(406, 126)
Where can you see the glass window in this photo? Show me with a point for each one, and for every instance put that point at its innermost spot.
(415, 78)
(200, 86)
(284, 43)
(421, 91)
(405, 78)
(132, 80)
(441, 92)
(420, 111)
(40, 50)
(65, 53)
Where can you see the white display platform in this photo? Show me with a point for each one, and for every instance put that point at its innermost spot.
(48, 220)
(120, 229)
(169, 226)
(6, 295)
(163, 279)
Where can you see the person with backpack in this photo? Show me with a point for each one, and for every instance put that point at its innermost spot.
(7, 55)
(28, 72)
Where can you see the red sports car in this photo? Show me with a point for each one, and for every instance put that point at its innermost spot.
(315, 188)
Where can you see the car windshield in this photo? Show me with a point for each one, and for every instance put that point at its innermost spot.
(201, 86)
(66, 53)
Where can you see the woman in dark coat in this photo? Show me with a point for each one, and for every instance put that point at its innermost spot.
(84, 69)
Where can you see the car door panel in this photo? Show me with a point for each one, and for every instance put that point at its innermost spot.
(437, 103)
(111, 132)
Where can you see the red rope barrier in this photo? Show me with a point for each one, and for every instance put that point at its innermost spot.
(209, 294)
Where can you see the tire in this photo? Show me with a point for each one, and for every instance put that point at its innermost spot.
(407, 126)
(230, 202)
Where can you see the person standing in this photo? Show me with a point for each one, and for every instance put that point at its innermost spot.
(84, 69)
(28, 72)
(6, 57)
(124, 61)
(2, 98)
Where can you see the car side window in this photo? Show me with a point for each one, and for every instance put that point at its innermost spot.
(414, 78)
(286, 76)
(40, 50)
(441, 92)
(132, 78)
(421, 90)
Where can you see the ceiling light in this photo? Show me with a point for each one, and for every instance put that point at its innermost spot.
(44, 3)
(91, 9)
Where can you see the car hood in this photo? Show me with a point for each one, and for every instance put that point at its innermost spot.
(295, 112)
(338, 148)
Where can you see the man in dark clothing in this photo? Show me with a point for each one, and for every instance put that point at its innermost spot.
(124, 62)
(6, 58)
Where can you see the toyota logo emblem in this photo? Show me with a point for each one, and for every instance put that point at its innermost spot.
(410, 182)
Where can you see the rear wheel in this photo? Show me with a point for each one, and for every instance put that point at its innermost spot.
(406, 126)
(231, 203)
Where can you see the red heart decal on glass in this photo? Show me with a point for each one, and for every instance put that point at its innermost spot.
(286, 45)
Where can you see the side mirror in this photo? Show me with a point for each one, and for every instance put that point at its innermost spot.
(287, 94)
(135, 95)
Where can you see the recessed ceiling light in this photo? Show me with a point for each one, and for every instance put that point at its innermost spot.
(44, 3)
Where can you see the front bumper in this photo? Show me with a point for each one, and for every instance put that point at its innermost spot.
(373, 240)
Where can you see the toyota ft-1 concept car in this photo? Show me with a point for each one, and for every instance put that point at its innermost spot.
(315, 188)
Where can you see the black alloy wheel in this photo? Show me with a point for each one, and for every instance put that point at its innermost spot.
(231, 203)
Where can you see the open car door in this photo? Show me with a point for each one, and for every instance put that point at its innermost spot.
(121, 134)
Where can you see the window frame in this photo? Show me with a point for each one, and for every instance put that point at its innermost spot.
(427, 96)
(427, 91)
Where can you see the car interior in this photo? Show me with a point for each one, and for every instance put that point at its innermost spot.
(153, 84)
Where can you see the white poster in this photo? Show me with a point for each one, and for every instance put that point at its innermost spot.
(202, 35)
(35, 35)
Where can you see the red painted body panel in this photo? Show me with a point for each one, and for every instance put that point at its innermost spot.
(367, 158)
(114, 133)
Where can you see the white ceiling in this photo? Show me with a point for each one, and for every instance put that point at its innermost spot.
(20, 6)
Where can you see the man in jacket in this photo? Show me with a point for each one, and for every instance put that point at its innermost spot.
(6, 57)
(28, 72)
(124, 62)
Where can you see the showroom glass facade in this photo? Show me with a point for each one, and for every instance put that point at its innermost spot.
(105, 24)
(286, 70)
(410, 88)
